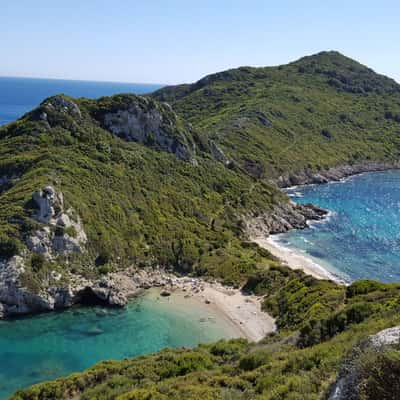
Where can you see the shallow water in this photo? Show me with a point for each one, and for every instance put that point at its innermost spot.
(361, 239)
(52, 345)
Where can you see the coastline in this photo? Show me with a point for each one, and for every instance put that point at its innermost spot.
(296, 260)
(333, 174)
(242, 313)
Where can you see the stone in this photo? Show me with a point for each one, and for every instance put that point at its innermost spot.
(346, 387)
(141, 121)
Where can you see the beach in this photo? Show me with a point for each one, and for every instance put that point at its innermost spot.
(241, 313)
(295, 259)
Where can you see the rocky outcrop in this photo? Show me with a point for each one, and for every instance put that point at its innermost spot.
(60, 104)
(58, 291)
(348, 385)
(62, 232)
(141, 120)
(284, 217)
(217, 153)
(305, 177)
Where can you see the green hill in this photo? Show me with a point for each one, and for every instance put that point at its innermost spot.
(320, 111)
(152, 200)
(88, 187)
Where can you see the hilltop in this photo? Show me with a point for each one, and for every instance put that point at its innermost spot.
(298, 119)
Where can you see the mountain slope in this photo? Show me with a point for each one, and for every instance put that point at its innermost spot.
(318, 112)
(90, 187)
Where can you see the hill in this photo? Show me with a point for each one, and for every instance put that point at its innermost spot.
(319, 112)
(93, 189)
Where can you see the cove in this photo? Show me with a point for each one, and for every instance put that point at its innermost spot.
(47, 346)
(361, 238)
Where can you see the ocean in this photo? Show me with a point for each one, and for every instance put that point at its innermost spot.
(47, 346)
(361, 238)
(20, 95)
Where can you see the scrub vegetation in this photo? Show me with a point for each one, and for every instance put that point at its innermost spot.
(145, 206)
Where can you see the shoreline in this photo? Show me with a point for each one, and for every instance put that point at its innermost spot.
(241, 312)
(333, 174)
(293, 258)
(296, 260)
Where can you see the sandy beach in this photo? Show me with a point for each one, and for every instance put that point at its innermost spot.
(242, 312)
(295, 260)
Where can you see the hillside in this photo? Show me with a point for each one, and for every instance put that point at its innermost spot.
(318, 112)
(91, 187)
(92, 190)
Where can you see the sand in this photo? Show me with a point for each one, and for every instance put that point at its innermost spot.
(242, 312)
(296, 260)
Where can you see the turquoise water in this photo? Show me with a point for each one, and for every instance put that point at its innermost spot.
(361, 239)
(19, 95)
(52, 345)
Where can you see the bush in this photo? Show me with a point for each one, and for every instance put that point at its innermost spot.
(105, 269)
(37, 261)
(9, 247)
(103, 258)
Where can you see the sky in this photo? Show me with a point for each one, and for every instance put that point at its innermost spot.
(176, 41)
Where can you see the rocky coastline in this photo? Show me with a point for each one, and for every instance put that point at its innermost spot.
(115, 289)
(333, 174)
(283, 218)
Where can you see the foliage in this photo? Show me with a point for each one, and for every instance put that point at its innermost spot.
(315, 113)
(143, 206)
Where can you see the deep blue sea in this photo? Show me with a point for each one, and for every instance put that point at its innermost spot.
(19, 95)
(361, 238)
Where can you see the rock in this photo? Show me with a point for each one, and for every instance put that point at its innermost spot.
(60, 104)
(337, 173)
(45, 200)
(51, 212)
(140, 120)
(15, 299)
(165, 293)
(348, 384)
(283, 217)
(94, 331)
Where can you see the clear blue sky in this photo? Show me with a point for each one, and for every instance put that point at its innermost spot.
(180, 41)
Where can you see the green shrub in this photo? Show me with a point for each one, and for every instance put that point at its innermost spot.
(105, 269)
(9, 247)
(37, 261)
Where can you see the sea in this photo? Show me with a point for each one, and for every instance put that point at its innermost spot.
(44, 347)
(361, 237)
(20, 95)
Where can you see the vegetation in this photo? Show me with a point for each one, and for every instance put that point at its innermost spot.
(317, 112)
(144, 206)
(138, 205)
(282, 366)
